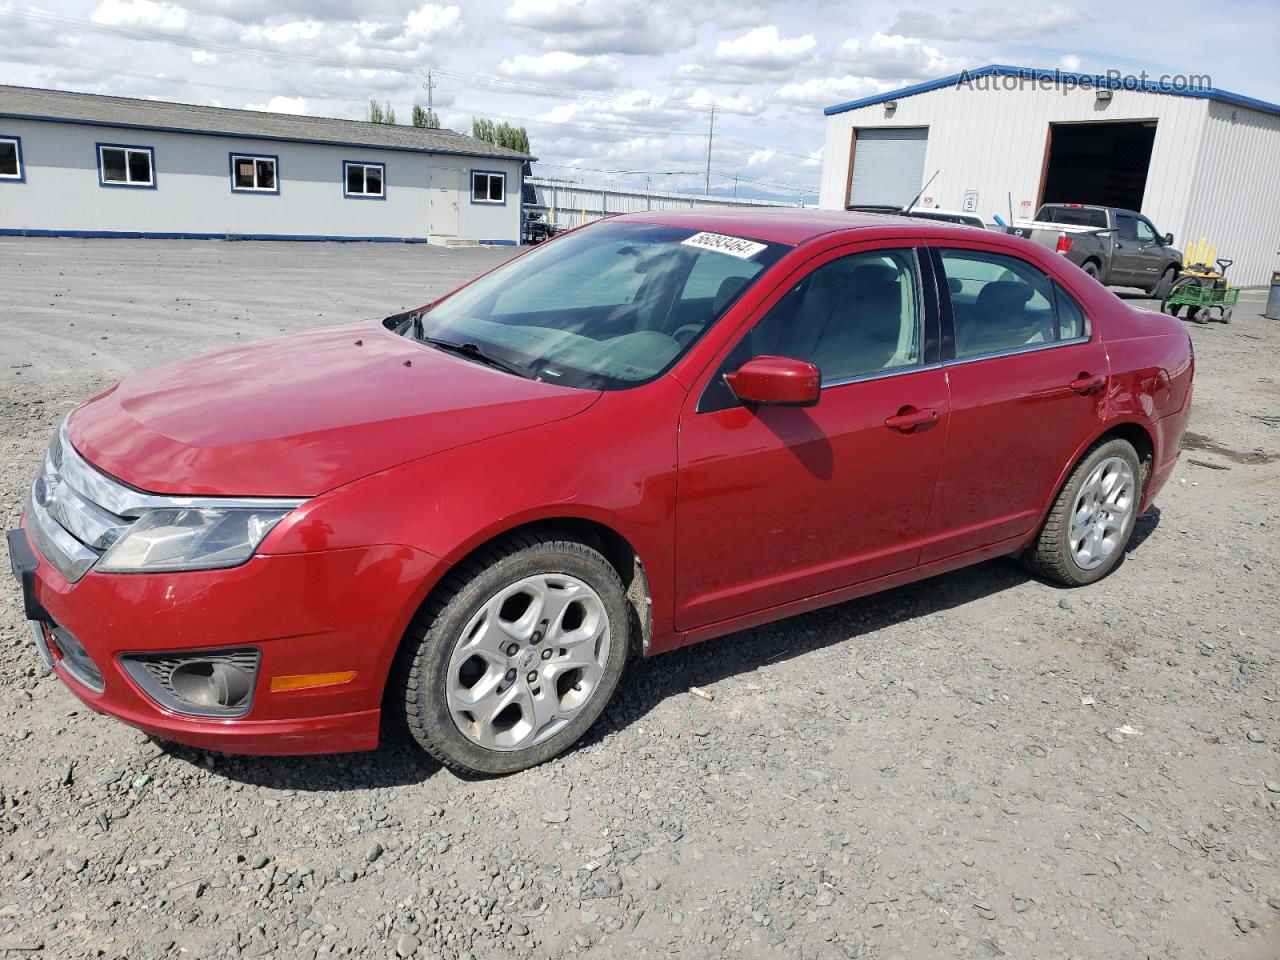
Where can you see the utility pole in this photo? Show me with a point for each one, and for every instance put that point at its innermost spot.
(430, 86)
(735, 186)
(711, 132)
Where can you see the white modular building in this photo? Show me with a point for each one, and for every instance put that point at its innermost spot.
(81, 165)
(999, 141)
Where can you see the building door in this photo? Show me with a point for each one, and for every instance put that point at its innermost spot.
(442, 203)
(1102, 162)
(887, 166)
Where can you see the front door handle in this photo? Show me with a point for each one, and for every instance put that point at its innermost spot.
(908, 418)
(1086, 383)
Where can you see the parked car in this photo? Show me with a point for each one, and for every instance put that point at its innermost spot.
(647, 432)
(1118, 247)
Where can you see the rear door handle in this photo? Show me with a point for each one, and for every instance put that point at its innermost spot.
(1086, 384)
(908, 418)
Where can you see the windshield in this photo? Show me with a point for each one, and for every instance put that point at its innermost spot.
(607, 307)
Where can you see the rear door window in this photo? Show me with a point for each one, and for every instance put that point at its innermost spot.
(1073, 216)
(1001, 303)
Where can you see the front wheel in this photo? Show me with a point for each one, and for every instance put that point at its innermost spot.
(1085, 534)
(1165, 284)
(515, 655)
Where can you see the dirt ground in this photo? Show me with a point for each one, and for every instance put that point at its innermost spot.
(980, 765)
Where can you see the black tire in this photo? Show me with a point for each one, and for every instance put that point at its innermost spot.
(1051, 556)
(1090, 268)
(418, 682)
(1164, 284)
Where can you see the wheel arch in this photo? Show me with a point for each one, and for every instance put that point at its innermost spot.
(1140, 437)
(616, 548)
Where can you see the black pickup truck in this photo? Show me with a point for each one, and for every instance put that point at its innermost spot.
(1120, 247)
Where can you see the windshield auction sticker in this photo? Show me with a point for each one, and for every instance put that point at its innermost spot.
(733, 246)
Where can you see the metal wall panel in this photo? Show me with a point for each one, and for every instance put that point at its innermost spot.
(1236, 200)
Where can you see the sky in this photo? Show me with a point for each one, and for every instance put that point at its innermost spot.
(614, 91)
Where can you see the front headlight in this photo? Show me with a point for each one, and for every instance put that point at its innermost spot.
(190, 538)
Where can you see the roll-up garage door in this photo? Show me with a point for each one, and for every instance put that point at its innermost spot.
(888, 166)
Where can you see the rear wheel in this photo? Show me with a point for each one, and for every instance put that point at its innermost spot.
(515, 656)
(1090, 523)
(1090, 268)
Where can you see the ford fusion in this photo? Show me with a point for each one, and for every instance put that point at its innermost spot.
(653, 430)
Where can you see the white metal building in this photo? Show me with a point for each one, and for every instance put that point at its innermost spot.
(74, 164)
(1002, 140)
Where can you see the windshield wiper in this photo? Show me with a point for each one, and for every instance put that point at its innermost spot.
(473, 352)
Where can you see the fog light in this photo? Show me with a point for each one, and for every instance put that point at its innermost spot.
(212, 684)
(201, 683)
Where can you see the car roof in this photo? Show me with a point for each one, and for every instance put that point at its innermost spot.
(789, 225)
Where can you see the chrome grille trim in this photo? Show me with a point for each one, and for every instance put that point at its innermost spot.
(68, 555)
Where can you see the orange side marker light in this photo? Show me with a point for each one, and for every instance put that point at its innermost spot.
(308, 681)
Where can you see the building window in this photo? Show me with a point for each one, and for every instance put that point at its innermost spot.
(251, 173)
(11, 158)
(125, 166)
(364, 180)
(488, 187)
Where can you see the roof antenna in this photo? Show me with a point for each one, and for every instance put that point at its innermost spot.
(921, 193)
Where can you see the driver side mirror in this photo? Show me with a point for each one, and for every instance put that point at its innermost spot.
(776, 381)
(1167, 239)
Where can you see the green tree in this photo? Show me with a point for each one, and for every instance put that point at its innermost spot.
(423, 117)
(381, 113)
(502, 135)
(513, 138)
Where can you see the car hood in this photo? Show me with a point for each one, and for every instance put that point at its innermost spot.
(298, 415)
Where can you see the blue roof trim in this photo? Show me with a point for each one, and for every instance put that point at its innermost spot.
(1080, 79)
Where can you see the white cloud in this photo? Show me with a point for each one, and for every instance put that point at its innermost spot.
(894, 57)
(431, 20)
(601, 26)
(703, 98)
(1069, 61)
(989, 23)
(821, 92)
(764, 49)
(563, 68)
(203, 56)
(296, 105)
(140, 13)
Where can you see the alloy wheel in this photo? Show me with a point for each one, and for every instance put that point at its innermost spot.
(528, 661)
(1101, 514)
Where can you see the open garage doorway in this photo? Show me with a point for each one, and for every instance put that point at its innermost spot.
(1101, 163)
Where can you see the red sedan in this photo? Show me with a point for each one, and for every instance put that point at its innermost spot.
(650, 431)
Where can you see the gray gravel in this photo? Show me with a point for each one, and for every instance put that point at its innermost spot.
(976, 766)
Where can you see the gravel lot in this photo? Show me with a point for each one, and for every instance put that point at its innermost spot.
(980, 765)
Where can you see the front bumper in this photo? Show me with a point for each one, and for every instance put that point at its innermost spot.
(326, 611)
